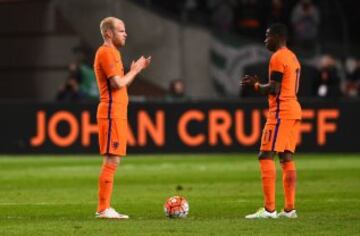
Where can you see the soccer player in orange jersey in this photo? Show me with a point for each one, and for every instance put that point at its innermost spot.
(112, 109)
(280, 131)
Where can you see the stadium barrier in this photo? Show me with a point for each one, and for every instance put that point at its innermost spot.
(159, 127)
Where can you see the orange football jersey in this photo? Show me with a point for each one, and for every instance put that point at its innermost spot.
(285, 105)
(113, 103)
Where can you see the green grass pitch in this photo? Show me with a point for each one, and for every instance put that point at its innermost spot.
(56, 195)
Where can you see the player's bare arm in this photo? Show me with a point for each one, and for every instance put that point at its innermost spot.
(116, 82)
(272, 87)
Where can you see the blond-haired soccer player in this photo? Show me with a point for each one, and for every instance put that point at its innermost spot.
(112, 109)
(281, 128)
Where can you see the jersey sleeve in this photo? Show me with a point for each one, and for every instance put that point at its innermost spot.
(277, 63)
(108, 63)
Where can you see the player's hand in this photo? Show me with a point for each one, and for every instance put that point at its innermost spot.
(249, 80)
(140, 64)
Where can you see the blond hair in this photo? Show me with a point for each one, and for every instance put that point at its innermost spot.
(107, 24)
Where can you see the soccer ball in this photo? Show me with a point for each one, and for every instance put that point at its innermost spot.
(176, 207)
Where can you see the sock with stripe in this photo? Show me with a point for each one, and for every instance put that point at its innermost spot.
(268, 177)
(106, 181)
(289, 184)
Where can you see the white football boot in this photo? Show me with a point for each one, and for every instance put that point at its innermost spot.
(262, 214)
(291, 214)
(110, 213)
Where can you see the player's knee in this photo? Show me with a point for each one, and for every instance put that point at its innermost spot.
(266, 155)
(111, 159)
(285, 156)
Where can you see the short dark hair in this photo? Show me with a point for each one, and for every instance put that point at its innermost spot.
(279, 29)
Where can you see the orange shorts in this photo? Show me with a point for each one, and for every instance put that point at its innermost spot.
(280, 135)
(112, 136)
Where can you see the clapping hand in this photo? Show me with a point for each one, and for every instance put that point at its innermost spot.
(249, 81)
(140, 63)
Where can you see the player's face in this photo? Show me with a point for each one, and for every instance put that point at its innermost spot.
(270, 41)
(119, 34)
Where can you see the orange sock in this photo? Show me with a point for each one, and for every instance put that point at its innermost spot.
(289, 184)
(106, 180)
(268, 176)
